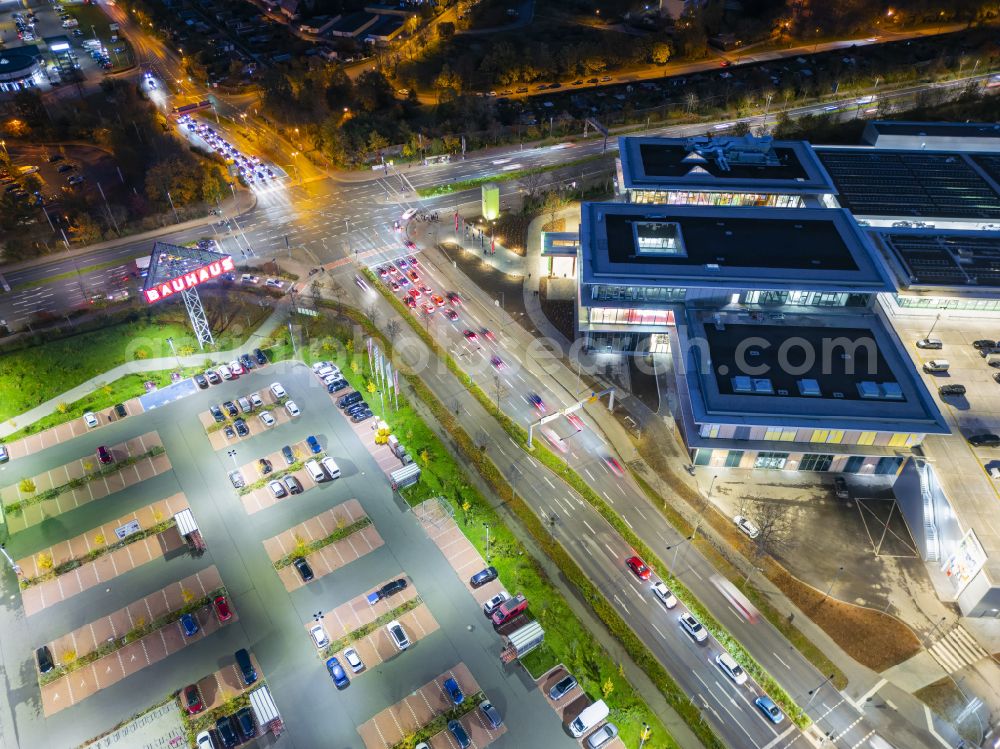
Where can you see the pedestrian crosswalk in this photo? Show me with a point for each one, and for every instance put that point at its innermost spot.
(957, 648)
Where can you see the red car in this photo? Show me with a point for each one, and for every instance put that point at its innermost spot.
(414, 276)
(437, 299)
(575, 421)
(455, 299)
(451, 314)
(410, 259)
(192, 700)
(222, 609)
(488, 334)
(410, 246)
(470, 335)
(429, 308)
(615, 466)
(638, 567)
(415, 293)
(410, 302)
(104, 455)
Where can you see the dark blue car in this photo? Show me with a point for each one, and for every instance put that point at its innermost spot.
(337, 673)
(313, 444)
(190, 625)
(454, 691)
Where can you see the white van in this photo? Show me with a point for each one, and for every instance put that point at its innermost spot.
(331, 467)
(589, 718)
(936, 366)
(315, 471)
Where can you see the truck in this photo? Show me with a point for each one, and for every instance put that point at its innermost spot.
(509, 610)
(142, 267)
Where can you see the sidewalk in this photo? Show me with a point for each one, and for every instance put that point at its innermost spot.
(274, 320)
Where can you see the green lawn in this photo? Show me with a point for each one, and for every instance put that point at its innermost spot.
(566, 639)
(32, 376)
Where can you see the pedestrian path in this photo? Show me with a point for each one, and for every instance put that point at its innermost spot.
(956, 649)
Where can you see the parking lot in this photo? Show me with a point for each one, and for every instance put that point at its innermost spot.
(99, 599)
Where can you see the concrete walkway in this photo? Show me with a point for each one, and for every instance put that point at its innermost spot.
(22, 420)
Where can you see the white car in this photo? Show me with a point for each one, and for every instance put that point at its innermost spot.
(277, 489)
(292, 409)
(319, 635)
(353, 660)
(90, 419)
(408, 214)
(745, 525)
(225, 373)
(731, 668)
(693, 627)
(204, 740)
(266, 419)
(317, 366)
(255, 400)
(277, 390)
(495, 602)
(235, 367)
(662, 592)
(397, 635)
(274, 283)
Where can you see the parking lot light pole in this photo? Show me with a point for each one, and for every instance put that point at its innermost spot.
(232, 454)
(676, 547)
(487, 527)
(646, 731)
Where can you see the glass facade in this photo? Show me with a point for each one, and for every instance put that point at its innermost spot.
(933, 302)
(772, 461)
(615, 316)
(699, 197)
(799, 298)
(612, 293)
(816, 462)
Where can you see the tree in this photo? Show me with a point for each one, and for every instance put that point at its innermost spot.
(372, 313)
(371, 387)
(27, 486)
(553, 202)
(425, 457)
(741, 128)
(392, 330)
(607, 688)
(773, 523)
(499, 389)
(660, 53)
(446, 31)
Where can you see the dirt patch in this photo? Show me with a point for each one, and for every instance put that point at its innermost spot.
(511, 230)
(558, 311)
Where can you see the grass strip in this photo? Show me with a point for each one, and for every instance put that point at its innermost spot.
(566, 639)
(515, 174)
(206, 720)
(561, 469)
(363, 631)
(104, 471)
(141, 629)
(303, 548)
(440, 722)
(71, 564)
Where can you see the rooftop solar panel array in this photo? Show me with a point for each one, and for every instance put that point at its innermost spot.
(948, 259)
(910, 183)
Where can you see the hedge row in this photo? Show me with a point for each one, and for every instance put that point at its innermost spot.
(440, 723)
(318, 544)
(342, 642)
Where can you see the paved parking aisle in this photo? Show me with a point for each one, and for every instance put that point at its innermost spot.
(331, 557)
(64, 432)
(479, 731)
(52, 591)
(89, 491)
(365, 432)
(387, 728)
(126, 661)
(572, 704)
(376, 648)
(460, 553)
(356, 613)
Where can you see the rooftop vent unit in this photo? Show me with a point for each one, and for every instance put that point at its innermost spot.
(742, 384)
(809, 388)
(763, 386)
(868, 389)
(892, 391)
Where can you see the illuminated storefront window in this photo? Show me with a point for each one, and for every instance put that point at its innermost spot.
(613, 316)
(697, 197)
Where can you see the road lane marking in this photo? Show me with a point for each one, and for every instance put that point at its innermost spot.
(781, 661)
(622, 605)
(611, 551)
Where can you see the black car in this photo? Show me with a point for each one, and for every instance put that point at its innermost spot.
(247, 726)
(259, 356)
(247, 670)
(55, 157)
(359, 406)
(264, 466)
(336, 386)
(292, 484)
(247, 362)
(350, 399)
(120, 411)
(984, 440)
(230, 434)
(217, 414)
(361, 416)
(390, 589)
(212, 376)
(44, 657)
(953, 389)
(200, 381)
(231, 408)
(305, 571)
(287, 454)
(226, 733)
(984, 343)
(63, 168)
(485, 576)
(241, 427)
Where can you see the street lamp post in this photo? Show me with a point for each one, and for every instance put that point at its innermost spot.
(814, 692)
(646, 731)
(487, 527)
(170, 342)
(677, 547)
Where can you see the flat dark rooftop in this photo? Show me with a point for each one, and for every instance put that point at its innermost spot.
(735, 242)
(667, 160)
(910, 183)
(837, 374)
(939, 259)
(989, 163)
(940, 129)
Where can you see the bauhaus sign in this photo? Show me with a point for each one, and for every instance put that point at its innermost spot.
(189, 280)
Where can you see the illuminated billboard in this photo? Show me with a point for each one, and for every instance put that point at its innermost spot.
(161, 289)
